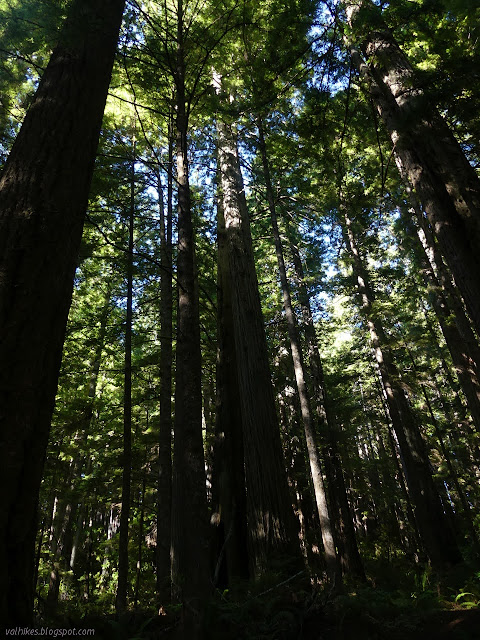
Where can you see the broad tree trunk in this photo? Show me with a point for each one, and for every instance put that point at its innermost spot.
(230, 552)
(425, 148)
(435, 532)
(164, 488)
(43, 192)
(272, 529)
(189, 517)
(333, 566)
(122, 585)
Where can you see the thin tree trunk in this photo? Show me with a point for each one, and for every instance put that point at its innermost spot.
(164, 491)
(43, 192)
(425, 149)
(122, 585)
(348, 549)
(189, 516)
(437, 537)
(140, 544)
(298, 366)
(272, 528)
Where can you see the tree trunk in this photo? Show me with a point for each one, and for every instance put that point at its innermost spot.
(437, 537)
(228, 475)
(44, 191)
(272, 529)
(140, 543)
(122, 585)
(190, 517)
(425, 149)
(332, 564)
(348, 549)
(164, 492)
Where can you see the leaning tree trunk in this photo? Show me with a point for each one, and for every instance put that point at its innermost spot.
(425, 148)
(189, 517)
(43, 192)
(333, 566)
(271, 521)
(436, 534)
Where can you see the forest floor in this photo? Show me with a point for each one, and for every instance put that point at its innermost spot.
(436, 625)
(319, 623)
(397, 607)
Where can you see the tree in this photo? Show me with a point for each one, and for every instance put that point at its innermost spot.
(270, 518)
(41, 229)
(425, 148)
(436, 534)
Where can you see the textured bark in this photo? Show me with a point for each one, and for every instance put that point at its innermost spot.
(348, 549)
(435, 532)
(272, 532)
(333, 567)
(425, 148)
(122, 585)
(228, 475)
(189, 516)
(164, 487)
(43, 193)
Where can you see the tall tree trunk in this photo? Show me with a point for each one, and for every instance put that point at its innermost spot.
(437, 537)
(348, 548)
(228, 474)
(122, 585)
(189, 516)
(164, 491)
(272, 529)
(43, 192)
(425, 148)
(333, 566)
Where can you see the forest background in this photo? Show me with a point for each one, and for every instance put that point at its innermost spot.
(259, 414)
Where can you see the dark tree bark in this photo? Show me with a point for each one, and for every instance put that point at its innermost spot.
(164, 490)
(271, 520)
(437, 537)
(229, 516)
(189, 517)
(425, 148)
(122, 585)
(44, 191)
